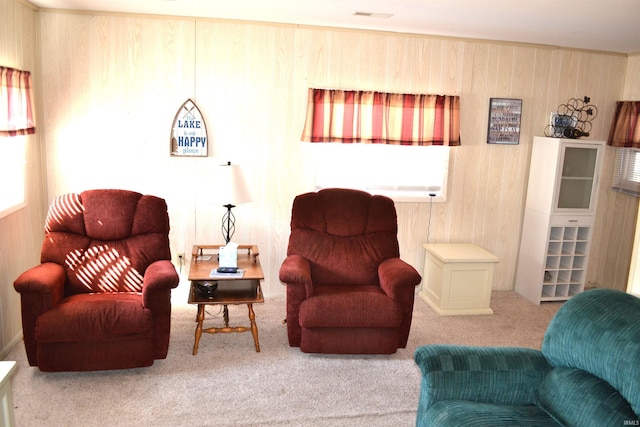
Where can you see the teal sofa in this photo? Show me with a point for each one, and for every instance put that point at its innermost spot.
(587, 373)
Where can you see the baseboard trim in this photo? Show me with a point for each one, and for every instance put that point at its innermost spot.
(7, 349)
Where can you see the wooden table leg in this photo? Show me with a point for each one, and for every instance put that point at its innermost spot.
(225, 316)
(199, 319)
(254, 327)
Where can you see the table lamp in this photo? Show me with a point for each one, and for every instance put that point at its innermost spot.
(230, 189)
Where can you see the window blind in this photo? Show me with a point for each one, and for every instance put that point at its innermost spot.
(626, 175)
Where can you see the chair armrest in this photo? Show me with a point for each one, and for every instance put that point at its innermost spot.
(159, 278)
(296, 270)
(500, 375)
(44, 282)
(396, 275)
(41, 288)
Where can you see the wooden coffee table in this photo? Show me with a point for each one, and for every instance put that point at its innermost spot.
(230, 289)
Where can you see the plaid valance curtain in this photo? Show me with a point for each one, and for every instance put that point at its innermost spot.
(16, 103)
(349, 116)
(625, 130)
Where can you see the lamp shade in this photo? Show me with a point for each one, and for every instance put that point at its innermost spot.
(230, 185)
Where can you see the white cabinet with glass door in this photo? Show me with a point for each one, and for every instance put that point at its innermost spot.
(559, 217)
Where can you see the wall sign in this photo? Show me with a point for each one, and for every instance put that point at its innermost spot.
(504, 121)
(189, 132)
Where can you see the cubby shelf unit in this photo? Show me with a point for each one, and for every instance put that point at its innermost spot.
(559, 217)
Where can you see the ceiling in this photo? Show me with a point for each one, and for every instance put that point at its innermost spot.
(604, 25)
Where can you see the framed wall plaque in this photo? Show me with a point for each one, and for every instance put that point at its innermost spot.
(504, 121)
(189, 132)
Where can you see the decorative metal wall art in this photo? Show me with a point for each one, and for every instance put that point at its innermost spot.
(573, 119)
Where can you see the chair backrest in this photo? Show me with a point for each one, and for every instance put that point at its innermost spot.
(344, 233)
(106, 239)
(598, 331)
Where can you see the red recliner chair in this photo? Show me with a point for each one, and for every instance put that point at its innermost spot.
(101, 297)
(348, 292)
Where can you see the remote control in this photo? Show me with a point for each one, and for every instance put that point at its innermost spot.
(227, 269)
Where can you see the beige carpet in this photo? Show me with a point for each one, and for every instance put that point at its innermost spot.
(229, 384)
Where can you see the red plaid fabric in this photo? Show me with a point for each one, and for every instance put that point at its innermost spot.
(625, 130)
(349, 116)
(16, 103)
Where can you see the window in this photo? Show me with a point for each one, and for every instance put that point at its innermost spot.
(403, 173)
(626, 176)
(12, 174)
(392, 144)
(16, 103)
(16, 121)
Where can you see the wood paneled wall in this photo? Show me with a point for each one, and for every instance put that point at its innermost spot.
(111, 85)
(632, 79)
(21, 232)
(631, 93)
(617, 213)
(114, 83)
